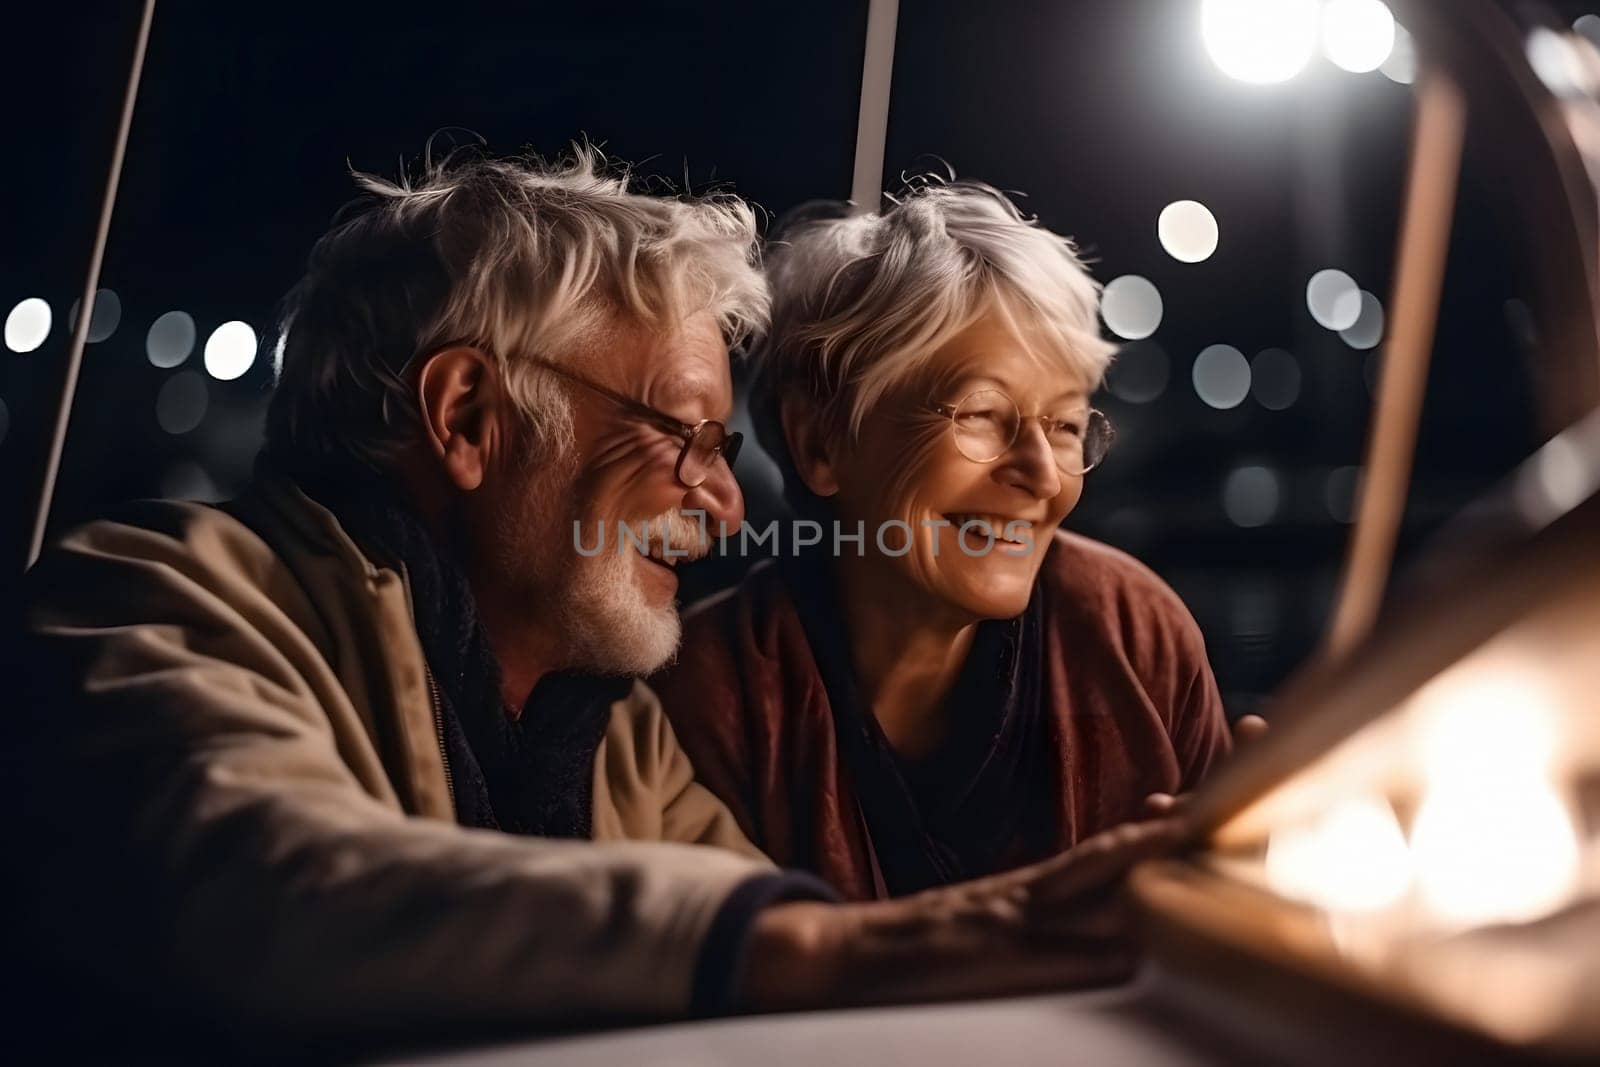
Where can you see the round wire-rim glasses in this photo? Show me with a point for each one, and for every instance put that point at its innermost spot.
(703, 441)
(986, 424)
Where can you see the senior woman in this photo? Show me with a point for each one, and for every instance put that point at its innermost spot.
(966, 688)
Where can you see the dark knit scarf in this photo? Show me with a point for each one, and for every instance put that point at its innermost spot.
(532, 774)
(983, 796)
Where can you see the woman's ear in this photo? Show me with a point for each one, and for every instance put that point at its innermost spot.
(456, 390)
(809, 444)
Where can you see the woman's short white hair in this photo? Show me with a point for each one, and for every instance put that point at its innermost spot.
(860, 303)
(520, 257)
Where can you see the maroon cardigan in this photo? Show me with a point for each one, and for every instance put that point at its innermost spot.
(1130, 704)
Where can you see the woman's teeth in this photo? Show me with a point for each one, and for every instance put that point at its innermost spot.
(982, 525)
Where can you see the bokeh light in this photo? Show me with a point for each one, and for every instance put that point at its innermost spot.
(1140, 373)
(1250, 495)
(1333, 299)
(171, 339)
(230, 350)
(1496, 854)
(1131, 307)
(28, 325)
(1339, 494)
(1401, 66)
(1357, 35)
(1352, 858)
(1188, 231)
(181, 404)
(1275, 379)
(1492, 840)
(105, 318)
(1589, 27)
(1558, 477)
(1556, 62)
(1367, 330)
(1222, 376)
(1259, 41)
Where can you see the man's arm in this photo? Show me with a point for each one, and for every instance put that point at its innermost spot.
(646, 788)
(200, 840)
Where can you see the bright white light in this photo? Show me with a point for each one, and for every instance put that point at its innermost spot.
(230, 350)
(1352, 859)
(1293, 865)
(171, 339)
(1473, 730)
(1140, 373)
(1131, 307)
(28, 325)
(1556, 62)
(1367, 330)
(1250, 496)
(1188, 231)
(1357, 35)
(1259, 41)
(1401, 66)
(1221, 376)
(1333, 299)
(1558, 478)
(1492, 841)
(181, 404)
(1566, 474)
(1497, 851)
(104, 320)
(1275, 379)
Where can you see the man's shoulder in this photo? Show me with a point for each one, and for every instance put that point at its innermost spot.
(174, 533)
(155, 556)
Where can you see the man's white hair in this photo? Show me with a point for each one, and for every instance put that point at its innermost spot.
(860, 303)
(518, 256)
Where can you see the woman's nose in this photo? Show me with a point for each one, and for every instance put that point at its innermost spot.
(1030, 464)
(719, 497)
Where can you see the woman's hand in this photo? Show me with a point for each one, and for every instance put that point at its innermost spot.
(1247, 730)
(1050, 925)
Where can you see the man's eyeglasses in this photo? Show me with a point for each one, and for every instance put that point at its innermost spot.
(986, 424)
(703, 441)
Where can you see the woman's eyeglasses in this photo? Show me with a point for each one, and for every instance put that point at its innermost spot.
(986, 424)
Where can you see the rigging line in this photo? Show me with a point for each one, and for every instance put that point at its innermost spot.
(91, 282)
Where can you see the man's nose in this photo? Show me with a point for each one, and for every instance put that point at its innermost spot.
(720, 498)
(1031, 463)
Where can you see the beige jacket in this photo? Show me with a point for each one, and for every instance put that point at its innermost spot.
(234, 775)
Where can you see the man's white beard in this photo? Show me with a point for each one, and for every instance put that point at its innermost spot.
(610, 622)
(608, 618)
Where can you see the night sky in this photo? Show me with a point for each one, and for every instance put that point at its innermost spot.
(1100, 111)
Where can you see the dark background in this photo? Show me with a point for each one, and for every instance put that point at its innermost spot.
(1100, 111)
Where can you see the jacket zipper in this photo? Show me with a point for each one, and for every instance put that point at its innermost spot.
(438, 731)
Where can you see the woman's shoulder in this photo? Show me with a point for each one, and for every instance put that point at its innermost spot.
(1092, 581)
(758, 603)
(727, 633)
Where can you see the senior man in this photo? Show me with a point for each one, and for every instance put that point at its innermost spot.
(360, 753)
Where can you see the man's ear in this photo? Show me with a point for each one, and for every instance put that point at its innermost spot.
(456, 392)
(809, 444)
